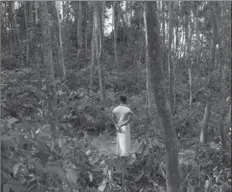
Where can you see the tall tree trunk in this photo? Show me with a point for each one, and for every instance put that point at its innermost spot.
(130, 12)
(188, 39)
(224, 124)
(17, 34)
(30, 20)
(79, 27)
(225, 140)
(11, 19)
(61, 51)
(182, 44)
(98, 48)
(26, 30)
(92, 61)
(214, 39)
(148, 73)
(173, 180)
(163, 30)
(196, 14)
(86, 29)
(115, 28)
(102, 21)
(30, 31)
(204, 131)
(170, 68)
(48, 61)
(176, 61)
(204, 128)
(190, 65)
(36, 12)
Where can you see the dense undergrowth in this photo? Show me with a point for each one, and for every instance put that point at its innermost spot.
(33, 160)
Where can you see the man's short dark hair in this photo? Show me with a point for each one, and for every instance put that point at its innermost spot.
(123, 98)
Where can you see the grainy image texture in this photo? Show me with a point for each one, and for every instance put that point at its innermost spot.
(106, 96)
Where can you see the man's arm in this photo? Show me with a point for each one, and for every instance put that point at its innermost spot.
(129, 119)
(124, 123)
(115, 122)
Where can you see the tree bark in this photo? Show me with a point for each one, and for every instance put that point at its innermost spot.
(163, 30)
(196, 13)
(102, 21)
(92, 61)
(190, 68)
(176, 61)
(115, 28)
(204, 128)
(48, 61)
(36, 13)
(79, 27)
(61, 51)
(17, 34)
(148, 72)
(98, 48)
(163, 108)
(188, 39)
(26, 33)
(87, 27)
(224, 123)
(170, 68)
(30, 21)
(225, 140)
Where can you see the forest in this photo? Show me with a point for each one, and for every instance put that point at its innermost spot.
(64, 65)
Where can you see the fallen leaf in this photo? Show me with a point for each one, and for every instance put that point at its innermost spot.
(71, 175)
(102, 186)
(16, 168)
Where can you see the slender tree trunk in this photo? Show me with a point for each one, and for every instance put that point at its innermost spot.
(98, 47)
(228, 118)
(102, 21)
(196, 14)
(173, 180)
(38, 61)
(79, 27)
(86, 30)
(182, 45)
(17, 34)
(36, 12)
(204, 128)
(26, 30)
(125, 24)
(148, 73)
(92, 61)
(163, 30)
(30, 20)
(130, 13)
(115, 28)
(9, 26)
(48, 61)
(170, 68)
(224, 124)
(11, 19)
(31, 32)
(61, 51)
(204, 132)
(225, 140)
(188, 39)
(214, 41)
(176, 61)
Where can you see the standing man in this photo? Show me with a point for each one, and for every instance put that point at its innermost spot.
(122, 117)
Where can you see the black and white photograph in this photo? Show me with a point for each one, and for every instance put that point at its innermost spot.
(115, 96)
